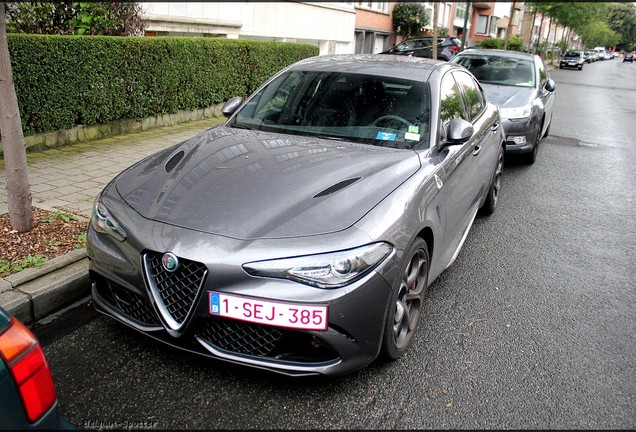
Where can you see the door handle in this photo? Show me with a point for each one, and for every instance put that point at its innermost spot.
(495, 126)
(476, 150)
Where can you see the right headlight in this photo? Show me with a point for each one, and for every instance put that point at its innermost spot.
(328, 270)
(103, 222)
(517, 112)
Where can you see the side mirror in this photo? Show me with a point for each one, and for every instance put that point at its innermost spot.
(230, 106)
(550, 85)
(458, 131)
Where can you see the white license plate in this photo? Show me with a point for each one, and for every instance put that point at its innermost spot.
(290, 315)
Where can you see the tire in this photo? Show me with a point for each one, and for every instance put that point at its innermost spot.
(492, 198)
(547, 131)
(531, 156)
(406, 301)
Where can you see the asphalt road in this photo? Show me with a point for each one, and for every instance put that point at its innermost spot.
(533, 327)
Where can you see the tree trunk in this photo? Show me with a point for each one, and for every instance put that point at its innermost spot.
(510, 21)
(529, 42)
(536, 50)
(16, 171)
(547, 38)
(435, 6)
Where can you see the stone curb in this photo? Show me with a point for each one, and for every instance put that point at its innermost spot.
(34, 293)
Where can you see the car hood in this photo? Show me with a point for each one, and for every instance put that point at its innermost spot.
(248, 184)
(508, 96)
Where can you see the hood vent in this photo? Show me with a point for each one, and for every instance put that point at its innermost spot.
(174, 160)
(335, 188)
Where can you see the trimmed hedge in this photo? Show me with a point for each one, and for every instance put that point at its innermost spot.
(63, 81)
(515, 43)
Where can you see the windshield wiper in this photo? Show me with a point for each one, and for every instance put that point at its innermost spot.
(330, 137)
(240, 126)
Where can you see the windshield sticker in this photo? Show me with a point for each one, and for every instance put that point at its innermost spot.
(412, 136)
(414, 129)
(385, 136)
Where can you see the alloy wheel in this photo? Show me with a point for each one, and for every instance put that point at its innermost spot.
(408, 306)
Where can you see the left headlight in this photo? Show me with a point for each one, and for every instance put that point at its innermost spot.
(329, 270)
(103, 222)
(517, 112)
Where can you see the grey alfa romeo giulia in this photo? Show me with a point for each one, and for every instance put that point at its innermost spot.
(300, 235)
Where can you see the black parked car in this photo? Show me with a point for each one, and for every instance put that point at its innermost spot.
(629, 57)
(447, 47)
(520, 84)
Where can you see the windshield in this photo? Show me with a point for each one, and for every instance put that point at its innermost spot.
(377, 110)
(492, 69)
(572, 54)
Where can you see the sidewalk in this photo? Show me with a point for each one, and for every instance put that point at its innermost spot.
(69, 178)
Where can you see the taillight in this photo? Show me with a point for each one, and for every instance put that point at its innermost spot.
(21, 351)
(454, 48)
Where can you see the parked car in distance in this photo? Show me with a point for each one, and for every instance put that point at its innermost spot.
(629, 57)
(602, 53)
(519, 83)
(591, 56)
(447, 47)
(572, 59)
(300, 236)
(29, 399)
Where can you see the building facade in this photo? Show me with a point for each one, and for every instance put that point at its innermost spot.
(334, 27)
(328, 25)
(373, 27)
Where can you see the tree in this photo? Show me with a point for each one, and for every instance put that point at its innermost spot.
(409, 19)
(598, 33)
(573, 15)
(75, 18)
(621, 17)
(16, 171)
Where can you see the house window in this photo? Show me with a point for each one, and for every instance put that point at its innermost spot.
(482, 24)
(460, 10)
(493, 25)
(382, 6)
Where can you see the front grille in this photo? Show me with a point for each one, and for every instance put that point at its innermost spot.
(128, 302)
(176, 290)
(265, 342)
(240, 337)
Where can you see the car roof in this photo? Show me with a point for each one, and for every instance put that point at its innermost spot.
(499, 52)
(373, 64)
(427, 37)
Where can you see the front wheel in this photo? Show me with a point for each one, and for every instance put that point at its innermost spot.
(531, 157)
(547, 131)
(407, 301)
(492, 198)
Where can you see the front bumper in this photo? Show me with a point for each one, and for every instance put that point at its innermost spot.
(357, 312)
(575, 65)
(520, 135)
